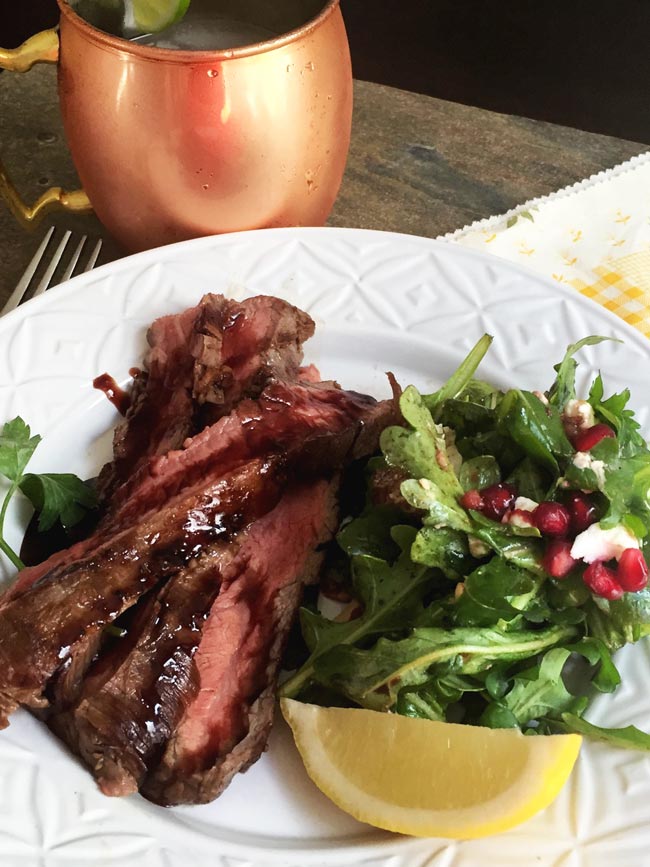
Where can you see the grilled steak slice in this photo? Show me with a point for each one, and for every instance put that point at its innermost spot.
(225, 727)
(160, 414)
(318, 427)
(132, 700)
(213, 354)
(134, 695)
(318, 424)
(240, 347)
(50, 623)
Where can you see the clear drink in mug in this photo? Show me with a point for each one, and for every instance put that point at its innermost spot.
(200, 28)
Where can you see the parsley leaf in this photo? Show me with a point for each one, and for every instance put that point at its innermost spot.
(56, 496)
(17, 446)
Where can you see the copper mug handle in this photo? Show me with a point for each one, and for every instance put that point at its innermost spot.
(41, 48)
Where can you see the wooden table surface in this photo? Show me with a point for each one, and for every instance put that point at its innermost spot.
(417, 165)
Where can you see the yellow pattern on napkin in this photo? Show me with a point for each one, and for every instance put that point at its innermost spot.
(594, 236)
(623, 287)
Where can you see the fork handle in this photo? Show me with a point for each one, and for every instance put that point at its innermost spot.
(41, 48)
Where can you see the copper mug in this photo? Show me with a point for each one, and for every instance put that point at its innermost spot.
(174, 144)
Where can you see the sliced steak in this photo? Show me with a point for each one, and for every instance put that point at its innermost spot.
(319, 424)
(225, 727)
(212, 354)
(52, 620)
(132, 701)
(161, 410)
(238, 348)
(134, 694)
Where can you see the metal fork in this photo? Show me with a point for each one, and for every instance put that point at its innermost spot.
(20, 292)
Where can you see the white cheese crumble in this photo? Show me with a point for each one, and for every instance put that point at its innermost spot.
(584, 461)
(598, 544)
(524, 504)
(520, 519)
(521, 513)
(581, 413)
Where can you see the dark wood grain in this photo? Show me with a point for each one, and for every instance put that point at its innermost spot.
(417, 164)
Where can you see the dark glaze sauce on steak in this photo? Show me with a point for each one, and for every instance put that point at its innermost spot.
(215, 508)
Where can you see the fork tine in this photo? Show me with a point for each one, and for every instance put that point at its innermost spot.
(73, 261)
(93, 256)
(51, 268)
(17, 295)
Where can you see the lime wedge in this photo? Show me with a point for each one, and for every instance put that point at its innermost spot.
(152, 16)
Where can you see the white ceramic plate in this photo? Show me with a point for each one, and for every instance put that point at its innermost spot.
(381, 302)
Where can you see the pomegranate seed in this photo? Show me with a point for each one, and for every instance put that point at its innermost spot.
(585, 440)
(632, 570)
(552, 519)
(602, 581)
(472, 500)
(497, 499)
(557, 560)
(582, 510)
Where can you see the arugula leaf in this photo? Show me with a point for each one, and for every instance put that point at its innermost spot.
(521, 545)
(607, 458)
(443, 510)
(613, 411)
(442, 548)
(461, 377)
(629, 738)
(58, 496)
(543, 691)
(495, 442)
(373, 677)
(370, 533)
(564, 389)
(535, 427)
(467, 418)
(606, 677)
(627, 487)
(432, 699)
(481, 393)
(479, 472)
(495, 591)
(622, 621)
(540, 690)
(530, 480)
(391, 596)
(421, 703)
(421, 450)
(495, 716)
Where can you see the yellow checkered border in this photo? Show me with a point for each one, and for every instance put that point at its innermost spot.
(619, 294)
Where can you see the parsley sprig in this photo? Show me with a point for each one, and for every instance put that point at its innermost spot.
(56, 497)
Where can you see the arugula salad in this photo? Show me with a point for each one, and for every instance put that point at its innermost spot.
(498, 562)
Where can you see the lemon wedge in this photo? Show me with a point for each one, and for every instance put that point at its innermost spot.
(425, 778)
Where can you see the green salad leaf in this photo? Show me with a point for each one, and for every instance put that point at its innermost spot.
(391, 594)
(479, 615)
(373, 677)
(629, 737)
(564, 387)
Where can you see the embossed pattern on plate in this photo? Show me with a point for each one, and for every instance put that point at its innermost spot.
(381, 302)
